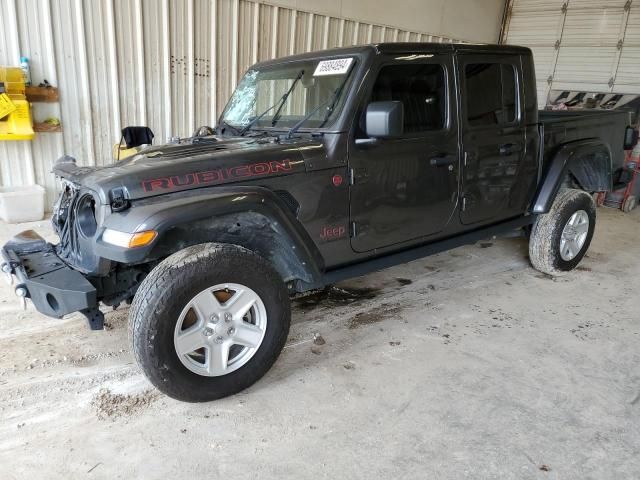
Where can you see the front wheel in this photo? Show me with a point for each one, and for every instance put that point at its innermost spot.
(560, 238)
(209, 321)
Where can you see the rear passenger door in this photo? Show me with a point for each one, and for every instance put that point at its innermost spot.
(493, 138)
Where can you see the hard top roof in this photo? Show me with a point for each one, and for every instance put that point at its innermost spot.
(403, 47)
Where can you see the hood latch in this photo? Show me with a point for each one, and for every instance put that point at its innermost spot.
(119, 201)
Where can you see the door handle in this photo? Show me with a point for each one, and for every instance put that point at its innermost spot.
(442, 160)
(510, 148)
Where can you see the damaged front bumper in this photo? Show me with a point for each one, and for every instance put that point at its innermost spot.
(54, 288)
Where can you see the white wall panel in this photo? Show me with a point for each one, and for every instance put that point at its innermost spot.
(168, 64)
(157, 66)
(103, 78)
(73, 80)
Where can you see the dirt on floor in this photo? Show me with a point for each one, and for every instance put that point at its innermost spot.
(467, 364)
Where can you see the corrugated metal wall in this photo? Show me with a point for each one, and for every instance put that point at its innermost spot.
(168, 64)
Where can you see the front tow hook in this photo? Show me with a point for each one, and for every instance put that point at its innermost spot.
(8, 273)
(23, 293)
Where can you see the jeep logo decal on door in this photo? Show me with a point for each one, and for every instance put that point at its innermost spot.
(332, 232)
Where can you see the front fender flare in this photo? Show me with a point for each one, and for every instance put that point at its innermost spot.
(253, 217)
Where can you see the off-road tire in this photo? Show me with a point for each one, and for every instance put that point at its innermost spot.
(544, 242)
(169, 287)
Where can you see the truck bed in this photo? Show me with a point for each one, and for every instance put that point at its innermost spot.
(559, 127)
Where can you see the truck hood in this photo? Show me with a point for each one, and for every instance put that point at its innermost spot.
(172, 168)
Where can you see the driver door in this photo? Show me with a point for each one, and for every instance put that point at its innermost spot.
(405, 189)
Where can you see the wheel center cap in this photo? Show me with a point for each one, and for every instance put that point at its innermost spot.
(212, 330)
(219, 330)
(215, 331)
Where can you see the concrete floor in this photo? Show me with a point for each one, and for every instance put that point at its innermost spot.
(468, 364)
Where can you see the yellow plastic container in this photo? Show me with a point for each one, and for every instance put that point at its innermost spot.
(16, 123)
(13, 79)
(6, 105)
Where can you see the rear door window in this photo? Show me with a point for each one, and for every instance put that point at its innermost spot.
(491, 94)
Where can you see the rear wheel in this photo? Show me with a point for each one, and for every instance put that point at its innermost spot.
(209, 321)
(560, 238)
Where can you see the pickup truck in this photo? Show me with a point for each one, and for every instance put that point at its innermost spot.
(323, 166)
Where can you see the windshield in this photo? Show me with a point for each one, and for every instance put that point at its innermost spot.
(280, 96)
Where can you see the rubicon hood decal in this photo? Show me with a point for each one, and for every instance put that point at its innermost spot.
(174, 168)
(218, 176)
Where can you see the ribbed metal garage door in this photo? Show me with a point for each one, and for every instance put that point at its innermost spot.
(579, 45)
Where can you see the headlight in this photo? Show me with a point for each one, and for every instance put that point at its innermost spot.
(129, 240)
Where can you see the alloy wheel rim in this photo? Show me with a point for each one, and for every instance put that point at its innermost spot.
(220, 329)
(574, 235)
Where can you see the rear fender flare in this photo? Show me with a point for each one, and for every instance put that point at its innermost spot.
(252, 217)
(588, 161)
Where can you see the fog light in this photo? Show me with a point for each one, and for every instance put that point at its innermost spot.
(129, 240)
(21, 292)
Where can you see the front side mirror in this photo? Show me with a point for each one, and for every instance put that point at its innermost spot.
(385, 119)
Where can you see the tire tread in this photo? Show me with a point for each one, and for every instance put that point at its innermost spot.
(543, 252)
(156, 294)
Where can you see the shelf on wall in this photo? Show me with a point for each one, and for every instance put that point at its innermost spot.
(43, 127)
(42, 94)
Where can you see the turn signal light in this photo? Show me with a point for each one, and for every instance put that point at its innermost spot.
(129, 240)
(141, 239)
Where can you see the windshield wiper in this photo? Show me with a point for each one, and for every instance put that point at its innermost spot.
(331, 101)
(278, 104)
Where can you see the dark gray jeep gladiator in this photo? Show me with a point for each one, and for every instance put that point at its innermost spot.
(322, 167)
